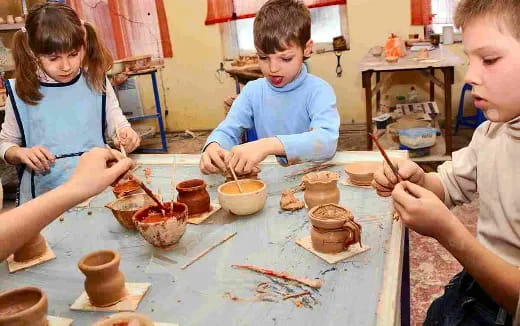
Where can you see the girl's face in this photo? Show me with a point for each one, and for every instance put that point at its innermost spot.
(62, 67)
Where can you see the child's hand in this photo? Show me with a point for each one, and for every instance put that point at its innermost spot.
(129, 139)
(214, 159)
(245, 158)
(37, 158)
(421, 210)
(385, 180)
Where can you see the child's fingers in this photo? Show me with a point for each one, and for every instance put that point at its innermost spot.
(381, 191)
(119, 169)
(216, 158)
(389, 174)
(415, 190)
(206, 166)
(48, 155)
(33, 162)
(239, 167)
(44, 162)
(248, 168)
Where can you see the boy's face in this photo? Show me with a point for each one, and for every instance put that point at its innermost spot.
(282, 67)
(494, 68)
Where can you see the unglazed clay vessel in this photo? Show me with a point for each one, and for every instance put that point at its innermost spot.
(248, 202)
(104, 283)
(126, 188)
(321, 188)
(333, 228)
(162, 230)
(123, 318)
(362, 173)
(23, 306)
(33, 249)
(193, 193)
(124, 208)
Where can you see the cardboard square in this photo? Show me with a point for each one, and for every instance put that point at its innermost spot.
(352, 251)
(346, 182)
(199, 218)
(136, 292)
(16, 266)
(59, 321)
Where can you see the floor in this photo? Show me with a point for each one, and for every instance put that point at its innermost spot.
(431, 266)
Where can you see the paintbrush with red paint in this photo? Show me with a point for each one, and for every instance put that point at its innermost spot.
(387, 159)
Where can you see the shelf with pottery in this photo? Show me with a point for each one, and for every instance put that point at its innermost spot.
(11, 27)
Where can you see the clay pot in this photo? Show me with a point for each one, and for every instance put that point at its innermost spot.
(126, 188)
(124, 208)
(104, 283)
(10, 19)
(123, 318)
(33, 249)
(362, 173)
(18, 19)
(321, 188)
(249, 202)
(193, 193)
(23, 306)
(162, 230)
(333, 228)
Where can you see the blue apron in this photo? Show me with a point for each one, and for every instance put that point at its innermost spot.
(68, 121)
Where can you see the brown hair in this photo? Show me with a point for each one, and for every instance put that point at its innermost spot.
(507, 10)
(280, 23)
(53, 28)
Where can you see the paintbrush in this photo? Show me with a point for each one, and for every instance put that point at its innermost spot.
(236, 179)
(387, 159)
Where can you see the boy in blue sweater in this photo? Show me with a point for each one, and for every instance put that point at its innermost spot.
(294, 113)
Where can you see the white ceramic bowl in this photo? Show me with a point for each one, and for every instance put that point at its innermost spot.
(249, 202)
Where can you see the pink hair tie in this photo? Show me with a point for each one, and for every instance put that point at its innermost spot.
(23, 29)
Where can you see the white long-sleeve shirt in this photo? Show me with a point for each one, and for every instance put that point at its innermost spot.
(10, 134)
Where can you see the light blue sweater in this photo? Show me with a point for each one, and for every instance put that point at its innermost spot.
(302, 115)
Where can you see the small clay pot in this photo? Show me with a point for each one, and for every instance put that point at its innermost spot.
(23, 306)
(10, 19)
(104, 283)
(321, 188)
(126, 188)
(162, 230)
(193, 193)
(33, 249)
(333, 228)
(122, 318)
(124, 208)
(18, 19)
(362, 173)
(250, 201)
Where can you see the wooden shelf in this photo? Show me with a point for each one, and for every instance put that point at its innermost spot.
(11, 27)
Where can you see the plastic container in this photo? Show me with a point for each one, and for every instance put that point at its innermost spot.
(417, 137)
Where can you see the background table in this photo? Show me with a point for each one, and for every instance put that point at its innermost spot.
(363, 290)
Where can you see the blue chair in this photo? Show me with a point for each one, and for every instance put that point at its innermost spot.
(472, 121)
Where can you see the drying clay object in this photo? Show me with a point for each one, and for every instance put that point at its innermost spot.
(392, 59)
(128, 187)
(23, 306)
(10, 19)
(249, 202)
(362, 173)
(162, 230)
(104, 283)
(33, 249)
(333, 228)
(423, 55)
(321, 188)
(289, 202)
(193, 193)
(124, 208)
(123, 318)
(2, 20)
(18, 20)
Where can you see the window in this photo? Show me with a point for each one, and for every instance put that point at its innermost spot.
(327, 23)
(443, 11)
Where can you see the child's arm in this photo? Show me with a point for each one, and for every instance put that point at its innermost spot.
(423, 212)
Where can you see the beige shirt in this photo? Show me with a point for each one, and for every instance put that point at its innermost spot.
(490, 166)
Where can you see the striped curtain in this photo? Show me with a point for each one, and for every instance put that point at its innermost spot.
(421, 12)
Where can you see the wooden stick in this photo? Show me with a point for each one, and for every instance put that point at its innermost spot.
(209, 249)
(295, 295)
(387, 159)
(236, 179)
(311, 283)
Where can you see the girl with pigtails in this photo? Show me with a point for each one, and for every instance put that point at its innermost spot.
(60, 103)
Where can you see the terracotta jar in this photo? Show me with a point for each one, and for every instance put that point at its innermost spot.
(105, 284)
(124, 208)
(193, 193)
(162, 230)
(23, 306)
(321, 188)
(126, 188)
(333, 228)
(33, 249)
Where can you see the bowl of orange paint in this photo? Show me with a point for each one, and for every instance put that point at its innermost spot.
(248, 202)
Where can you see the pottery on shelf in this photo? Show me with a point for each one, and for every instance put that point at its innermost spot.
(104, 283)
(321, 188)
(362, 173)
(126, 188)
(18, 19)
(123, 318)
(162, 230)
(193, 193)
(23, 306)
(124, 208)
(33, 249)
(10, 19)
(333, 228)
(248, 202)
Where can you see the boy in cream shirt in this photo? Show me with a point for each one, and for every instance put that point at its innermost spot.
(486, 291)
